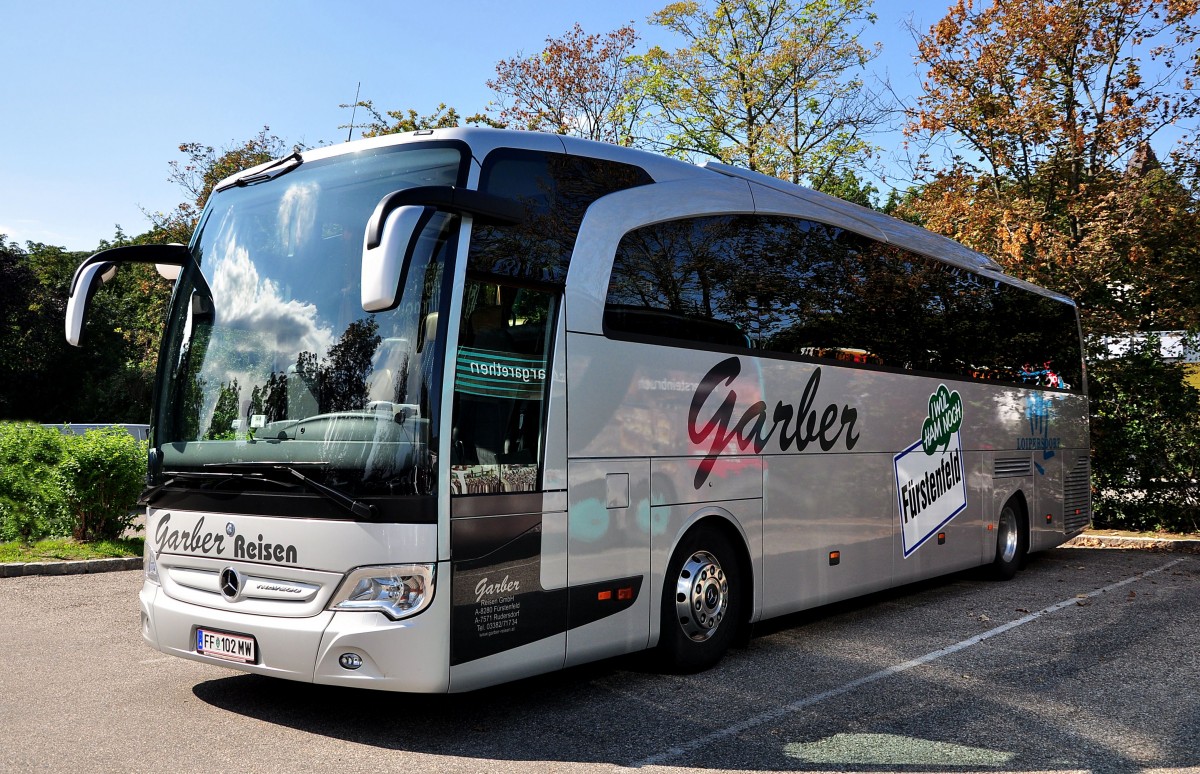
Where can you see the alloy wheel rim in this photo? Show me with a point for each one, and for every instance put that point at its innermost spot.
(701, 596)
(1008, 535)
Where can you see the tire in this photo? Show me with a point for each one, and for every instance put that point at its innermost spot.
(1012, 542)
(701, 602)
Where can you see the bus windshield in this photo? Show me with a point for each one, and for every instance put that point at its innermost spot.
(270, 361)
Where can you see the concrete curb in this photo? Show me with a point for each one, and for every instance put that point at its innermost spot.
(135, 562)
(1182, 545)
(18, 570)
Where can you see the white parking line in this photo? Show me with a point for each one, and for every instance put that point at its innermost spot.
(796, 706)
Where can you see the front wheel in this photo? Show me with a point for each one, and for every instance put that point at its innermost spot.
(702, 602)
(1011, 543)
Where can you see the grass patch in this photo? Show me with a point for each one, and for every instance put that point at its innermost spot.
(65, 549)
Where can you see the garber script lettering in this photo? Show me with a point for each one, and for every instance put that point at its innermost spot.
(486, 589)
(195, 541)
(826, 427)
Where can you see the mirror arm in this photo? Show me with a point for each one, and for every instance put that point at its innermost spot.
(447, 198)
(173, 254)
(97, 268)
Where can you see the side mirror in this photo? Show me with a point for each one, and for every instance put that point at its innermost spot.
(102, 267)
(88, 278)
(396, 225)
(385, 263)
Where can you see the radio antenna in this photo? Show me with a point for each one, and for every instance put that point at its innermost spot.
(353, 110)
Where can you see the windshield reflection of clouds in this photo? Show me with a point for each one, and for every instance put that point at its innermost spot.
(262, 331)
(249, 301)
(297, 215)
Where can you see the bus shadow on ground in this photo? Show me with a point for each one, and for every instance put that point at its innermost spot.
(1019, 713)
(614, 711)
(561, 716)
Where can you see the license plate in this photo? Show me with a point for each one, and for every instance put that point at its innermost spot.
(231, 647)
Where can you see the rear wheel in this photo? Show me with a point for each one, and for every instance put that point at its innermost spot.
(1011, 542)
(702, 602)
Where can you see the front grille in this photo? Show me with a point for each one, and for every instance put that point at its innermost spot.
(250, 586)
(247, 587)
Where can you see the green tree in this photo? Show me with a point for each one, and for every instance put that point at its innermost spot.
(44, 379)
(775, 86)
(1145, 441)
(849, 186)
(17, 283)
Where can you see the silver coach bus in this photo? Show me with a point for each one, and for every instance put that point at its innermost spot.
(446, 409)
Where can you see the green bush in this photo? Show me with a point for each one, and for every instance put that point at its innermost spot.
(53, 485)
(31, 498)
(102, 472)
(1145, 443)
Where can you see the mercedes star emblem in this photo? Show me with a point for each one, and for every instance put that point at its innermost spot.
(231, 583)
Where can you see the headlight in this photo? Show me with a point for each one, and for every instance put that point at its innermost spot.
(397, 591)
(150, 564)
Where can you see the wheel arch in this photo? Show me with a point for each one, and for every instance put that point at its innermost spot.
(1011, 545)
(1020, 504)
(721, 520)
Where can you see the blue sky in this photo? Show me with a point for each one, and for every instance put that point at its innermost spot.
(95, 98)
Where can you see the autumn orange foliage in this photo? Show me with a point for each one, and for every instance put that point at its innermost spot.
(1048, 112)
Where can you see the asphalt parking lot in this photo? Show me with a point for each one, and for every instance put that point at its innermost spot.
(1086, 661)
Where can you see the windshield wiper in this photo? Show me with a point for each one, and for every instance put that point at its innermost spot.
(150, 493)
(268, 172)
(357, 508)
(257, 471)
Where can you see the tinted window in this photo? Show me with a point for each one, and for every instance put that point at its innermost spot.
(801, 288)
(556, 191)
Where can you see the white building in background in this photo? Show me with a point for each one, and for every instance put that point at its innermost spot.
(140, 432)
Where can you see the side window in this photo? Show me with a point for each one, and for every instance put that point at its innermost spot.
(741, 282)
(672, 280)
(795, 287)
(1035, 338)
(556, 190)
(500, 388)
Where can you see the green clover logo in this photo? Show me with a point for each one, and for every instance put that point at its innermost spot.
(944, 420)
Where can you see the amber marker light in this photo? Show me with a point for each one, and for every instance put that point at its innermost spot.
(604, 596)
(835, 557)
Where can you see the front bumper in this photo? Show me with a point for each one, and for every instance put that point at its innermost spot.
(411, 655)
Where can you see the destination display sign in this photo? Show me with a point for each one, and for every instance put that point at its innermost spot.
(495, 374)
